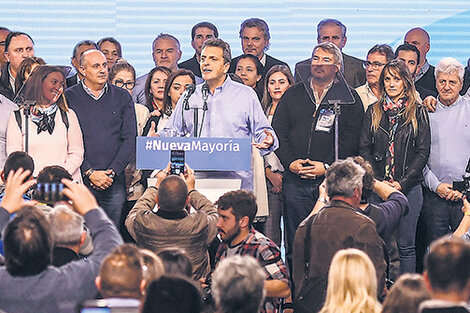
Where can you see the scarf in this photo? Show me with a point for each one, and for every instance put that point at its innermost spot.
(44, 117)
(394, 110)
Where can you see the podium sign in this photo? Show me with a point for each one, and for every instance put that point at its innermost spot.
(203, 154)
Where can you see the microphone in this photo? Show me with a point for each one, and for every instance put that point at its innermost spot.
(205, 95)
(189, 91)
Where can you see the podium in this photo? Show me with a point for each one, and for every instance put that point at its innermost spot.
(214, 160)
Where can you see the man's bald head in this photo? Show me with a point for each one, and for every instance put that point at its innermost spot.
(89, 53)
(419, 38)
(172, 194)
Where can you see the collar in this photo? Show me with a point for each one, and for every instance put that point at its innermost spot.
(422, 71)
(12, 79)
(225, 84)
(172, 215)
(342, 204)
(444, 107)
(263, 59)
(319, 99)
(90, 92)
(244, 241)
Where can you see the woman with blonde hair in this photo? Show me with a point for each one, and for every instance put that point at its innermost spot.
(352, 284)
(396, 140)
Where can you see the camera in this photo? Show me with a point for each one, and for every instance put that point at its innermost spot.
(463, 185)
(49, 192)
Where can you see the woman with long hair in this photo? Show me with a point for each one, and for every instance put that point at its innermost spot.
(278, 79)
(250, 70)
(396, 140)
(154, 95)
(352, 284)
(27, 66)
(55, 137)
(175, 85)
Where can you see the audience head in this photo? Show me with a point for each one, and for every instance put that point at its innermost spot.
(121, 274)
(410, 55)
(331, 30)
(200, 33)
(94, 68)
(176, 262)
(79, 49)
(155, 85)
(215, 60)
(278, 79)
(344, 179)
(250, 69)
(166, 51)
(111, 49)
(15, 161)
(122, 74)
(420, 38)
(254, 33)
(237, 210)
(377, 57)
(27, 243)
(27, 67)
(325, 63)
(3, 35)
(172, 194)
(53, 174)
(238, 285)
(173, 294)
(449, 80)
(46, 86)
(18, 46)
(66, 228)
(352, 283)
(406, 294)
(447, 267)
(175, 85)
(152, 266)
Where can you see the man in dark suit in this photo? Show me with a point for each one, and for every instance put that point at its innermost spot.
(419, 38)
(331, 30)
(78, 50)
(254, 35)
(199, 33)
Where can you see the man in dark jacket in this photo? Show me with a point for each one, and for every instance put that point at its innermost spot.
(304, 123)
(337, 226)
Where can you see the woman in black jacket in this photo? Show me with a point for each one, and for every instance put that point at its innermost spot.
(396, 140)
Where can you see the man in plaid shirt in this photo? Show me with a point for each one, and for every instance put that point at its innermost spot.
(236, 210)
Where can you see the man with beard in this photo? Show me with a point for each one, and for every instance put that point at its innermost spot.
(236, 210)
(304, 123)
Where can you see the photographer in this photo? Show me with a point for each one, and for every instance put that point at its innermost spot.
(28, 282)
(173, 224)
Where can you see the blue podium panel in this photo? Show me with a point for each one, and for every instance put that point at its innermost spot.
(204, 154)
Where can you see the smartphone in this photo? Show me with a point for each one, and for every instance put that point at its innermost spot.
(49, 192)
(177, 162)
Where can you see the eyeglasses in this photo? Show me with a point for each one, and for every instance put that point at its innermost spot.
(375, 65)
(122, 84)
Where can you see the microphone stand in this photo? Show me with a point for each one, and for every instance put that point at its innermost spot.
(196, 119)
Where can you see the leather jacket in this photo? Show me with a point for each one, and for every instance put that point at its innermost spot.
(411, 147)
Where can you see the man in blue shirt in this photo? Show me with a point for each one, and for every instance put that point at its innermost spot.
(233, 110)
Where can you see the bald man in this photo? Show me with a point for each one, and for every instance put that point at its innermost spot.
(419, 38)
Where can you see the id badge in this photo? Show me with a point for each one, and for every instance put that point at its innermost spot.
(325, 121)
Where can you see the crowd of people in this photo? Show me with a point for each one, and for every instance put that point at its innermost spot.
(363, 166)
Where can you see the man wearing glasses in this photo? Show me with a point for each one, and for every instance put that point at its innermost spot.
(377, 57)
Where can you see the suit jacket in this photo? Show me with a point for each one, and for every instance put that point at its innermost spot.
(270, 62)
(72, 80)
(428, 81)
(466, 81)
(5, 88)
(354, 73)
(192, 65)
